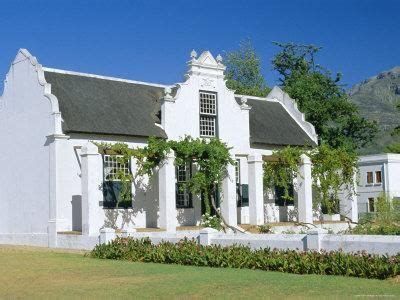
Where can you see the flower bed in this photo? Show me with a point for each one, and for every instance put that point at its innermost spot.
(189, 252)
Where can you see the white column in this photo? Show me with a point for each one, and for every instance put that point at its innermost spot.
(349, 205)
(167, 194)
(256, 189)
(57, 148)
(228, 200)
(196, 200)
(91, 179)
(304, 192)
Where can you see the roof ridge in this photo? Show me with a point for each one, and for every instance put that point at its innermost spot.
(54, 70)
(251, 97)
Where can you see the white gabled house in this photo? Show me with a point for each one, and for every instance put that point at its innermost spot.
(54, 180)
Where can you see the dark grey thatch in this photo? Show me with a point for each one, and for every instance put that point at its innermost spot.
(271, 124)
(106, 106)
(102, 106)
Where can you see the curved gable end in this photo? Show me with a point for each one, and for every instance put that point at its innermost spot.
(91, 104)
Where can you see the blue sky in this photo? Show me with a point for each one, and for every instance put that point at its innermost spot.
(151, 40)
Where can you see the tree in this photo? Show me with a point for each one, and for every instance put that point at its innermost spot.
(243, 71)
(321, 97)
(293, 59)
(394, 147)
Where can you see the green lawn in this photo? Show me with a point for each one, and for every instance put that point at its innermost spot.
(41, 273)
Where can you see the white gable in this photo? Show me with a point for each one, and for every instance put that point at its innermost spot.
(181, 115)
(206, 58)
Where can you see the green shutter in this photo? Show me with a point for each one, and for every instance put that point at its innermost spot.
(111, 194)
(245, 195)
(280, 192)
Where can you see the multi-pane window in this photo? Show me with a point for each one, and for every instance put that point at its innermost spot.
(237, 176)
(242, 190)
(116, 194)
(237, 171)
(370, 177)
(378, 177)
(183, 196)
(371, 205)
(112, 167)
(208, 114)
(376, 180)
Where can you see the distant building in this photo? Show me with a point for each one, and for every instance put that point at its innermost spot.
(378, 173)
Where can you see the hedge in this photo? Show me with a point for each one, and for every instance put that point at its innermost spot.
(189, 252)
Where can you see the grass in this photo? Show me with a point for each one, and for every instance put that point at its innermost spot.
(28, 272)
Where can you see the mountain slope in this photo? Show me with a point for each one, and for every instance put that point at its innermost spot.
(377, 97)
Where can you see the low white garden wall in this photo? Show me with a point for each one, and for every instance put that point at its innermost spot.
(257, 241)
(315, 239)
(380, 244)
(73, 241)
(331, 227)
(31, 239)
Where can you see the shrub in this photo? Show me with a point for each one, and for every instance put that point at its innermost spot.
(189, 252)
(212, 221)
(386, 221)
(265, 228)
(376, 229)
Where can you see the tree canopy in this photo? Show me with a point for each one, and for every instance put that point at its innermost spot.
(319, 95)
(243, 71)
(394, 147)
(322, 98)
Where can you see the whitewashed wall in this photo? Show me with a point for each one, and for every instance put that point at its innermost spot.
(180, 115)
(25, 122)
(392, 175)
(365, 190)
(145, 205)
(144, 212)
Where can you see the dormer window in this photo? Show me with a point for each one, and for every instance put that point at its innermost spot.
(208, 114)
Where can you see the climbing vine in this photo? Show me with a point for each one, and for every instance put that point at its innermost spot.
(332, 170)
(281, 171)
(123, 156)
(210, 158)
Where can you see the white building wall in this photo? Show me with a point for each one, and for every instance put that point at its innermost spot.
(144, 212)
(180, 115)
(366, 190)
(389, 165)
(392, 174)
(25, 121)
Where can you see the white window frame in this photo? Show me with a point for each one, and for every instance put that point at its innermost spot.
(184, 202)
(111, 165)
(208, 119)
(237, 171)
